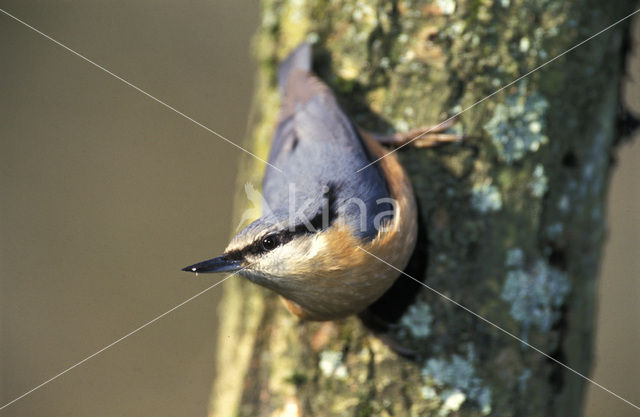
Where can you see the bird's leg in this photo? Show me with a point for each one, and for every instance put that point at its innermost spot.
(422, 137)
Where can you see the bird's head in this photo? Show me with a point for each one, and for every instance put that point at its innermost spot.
(313, 258)
(316, 266)
(269, 251)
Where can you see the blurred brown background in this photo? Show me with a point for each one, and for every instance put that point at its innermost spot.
(105, 195)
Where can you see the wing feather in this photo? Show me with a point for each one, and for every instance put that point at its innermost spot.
(315, 145)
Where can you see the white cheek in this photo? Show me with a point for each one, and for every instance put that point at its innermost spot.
(317, 246)
(285, 261)
(276, 262)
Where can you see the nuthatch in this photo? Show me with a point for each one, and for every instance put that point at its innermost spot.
(314, 261)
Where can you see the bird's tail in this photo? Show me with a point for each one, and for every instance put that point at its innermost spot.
(299, 59)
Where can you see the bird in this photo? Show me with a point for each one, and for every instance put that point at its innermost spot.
(325, 220)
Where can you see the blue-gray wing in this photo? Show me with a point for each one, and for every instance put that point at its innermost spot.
(317, 147)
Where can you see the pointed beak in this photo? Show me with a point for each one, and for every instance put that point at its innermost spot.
(219, 264)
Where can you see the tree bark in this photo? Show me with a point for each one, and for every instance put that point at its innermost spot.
(512, 220)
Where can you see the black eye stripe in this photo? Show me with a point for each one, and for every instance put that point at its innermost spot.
(258, 246)
(285, 236)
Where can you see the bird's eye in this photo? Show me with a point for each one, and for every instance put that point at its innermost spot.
(270, 242)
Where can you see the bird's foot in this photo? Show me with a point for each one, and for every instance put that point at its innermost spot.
(422, 137)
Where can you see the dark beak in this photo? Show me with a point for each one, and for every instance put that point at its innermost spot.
(219, 264)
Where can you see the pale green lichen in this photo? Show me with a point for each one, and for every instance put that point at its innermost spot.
(539, 184)
(452, 403)
(331, 365)
(517, 125)
(457, 376)
(536, 294)
(428, 393)
(417, 320)
(313, 38)
(447, 6)
(485, 197)
(400, 125)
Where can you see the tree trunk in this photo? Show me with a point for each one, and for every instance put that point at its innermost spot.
(512, 220)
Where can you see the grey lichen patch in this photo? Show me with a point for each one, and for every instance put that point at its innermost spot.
(515, 258)
(517, 125)
(563, 203)
(331, 365)
(457, 377)
(417, 320)
(555, 230)
(485, 197)
(536, 294)
(523, 379)
(539, 183)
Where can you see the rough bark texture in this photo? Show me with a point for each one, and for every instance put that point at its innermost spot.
(512, 220)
